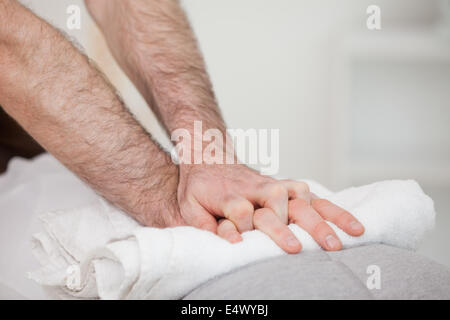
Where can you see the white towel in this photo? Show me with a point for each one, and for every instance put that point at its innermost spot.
(99, 252)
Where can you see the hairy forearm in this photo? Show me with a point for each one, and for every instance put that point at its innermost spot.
(54, 92)
(154, 44)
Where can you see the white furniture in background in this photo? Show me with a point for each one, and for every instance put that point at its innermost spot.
(391, 117)
(391, 108)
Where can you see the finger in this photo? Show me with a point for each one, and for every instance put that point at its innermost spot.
(227, 230)
(297, 190)
(265, 220)
(302, 214)
(273, 196)
(239, 211)
(198, 217)
(340, 217)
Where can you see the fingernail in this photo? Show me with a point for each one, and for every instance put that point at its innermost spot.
(355, 226)
(331, 242)
(292, 241)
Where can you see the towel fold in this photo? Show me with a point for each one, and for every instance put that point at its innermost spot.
(99, 252)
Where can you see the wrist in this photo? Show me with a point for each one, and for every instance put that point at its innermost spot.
(155, 202)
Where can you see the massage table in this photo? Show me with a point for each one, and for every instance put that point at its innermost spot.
(320, 275)
(346, 274)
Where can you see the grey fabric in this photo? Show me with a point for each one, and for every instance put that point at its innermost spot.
(333, 275)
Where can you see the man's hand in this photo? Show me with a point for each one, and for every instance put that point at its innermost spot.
(233, 192)
(207, 192)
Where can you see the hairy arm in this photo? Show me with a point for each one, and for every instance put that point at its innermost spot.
(55, 93)
(154, 44)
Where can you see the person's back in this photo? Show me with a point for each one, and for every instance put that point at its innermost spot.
(14, 141)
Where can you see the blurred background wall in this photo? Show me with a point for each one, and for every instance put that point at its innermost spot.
(353, 106)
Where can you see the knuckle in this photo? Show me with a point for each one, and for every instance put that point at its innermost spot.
(278, 190)
(296, 209)
(240, 209)
(298, 204)
(303, 187)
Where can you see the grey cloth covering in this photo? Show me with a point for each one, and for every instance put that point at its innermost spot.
(326, 275)
(333, 275)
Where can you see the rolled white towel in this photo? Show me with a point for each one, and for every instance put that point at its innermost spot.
(99, 252)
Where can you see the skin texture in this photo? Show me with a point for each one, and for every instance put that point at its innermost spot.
(155, 46)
